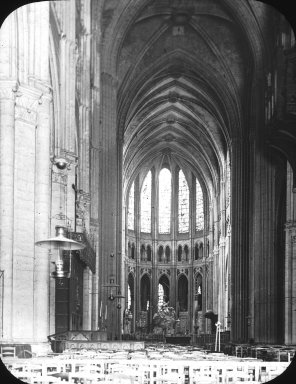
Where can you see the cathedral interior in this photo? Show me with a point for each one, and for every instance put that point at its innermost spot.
(160, 136)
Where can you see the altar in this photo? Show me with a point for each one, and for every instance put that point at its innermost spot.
(110, 345)
(90, 340)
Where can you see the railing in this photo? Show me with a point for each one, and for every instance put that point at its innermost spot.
(58, 340)
(207, 340)
(149, 337)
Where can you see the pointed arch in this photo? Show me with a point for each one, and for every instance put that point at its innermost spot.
(183, 293)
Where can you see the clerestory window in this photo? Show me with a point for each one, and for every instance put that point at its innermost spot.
(131, 208)
(183, 204)
(165, 192)
(199, 207)
(146, 204)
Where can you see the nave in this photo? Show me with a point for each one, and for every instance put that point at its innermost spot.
(148, 187)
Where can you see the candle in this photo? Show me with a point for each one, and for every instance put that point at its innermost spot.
(101, 309)
(106, 313)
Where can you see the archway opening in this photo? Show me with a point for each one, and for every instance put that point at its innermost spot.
(183, 293)
(163, 291)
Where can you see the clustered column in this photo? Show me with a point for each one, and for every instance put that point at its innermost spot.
(290, 263)
(7, 133)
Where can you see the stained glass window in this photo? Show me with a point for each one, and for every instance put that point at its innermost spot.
(227, 181)
(129, 298)
(183, 204)
(131, 208)
(199, 207)
(160, 296)
(146, 204)
(165, 190)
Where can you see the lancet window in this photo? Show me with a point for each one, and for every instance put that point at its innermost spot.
(146, 204)
(165, 191)
(199, 207)
(183, 204)
(131, 208)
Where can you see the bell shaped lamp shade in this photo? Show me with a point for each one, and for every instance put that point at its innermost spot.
(60, 242)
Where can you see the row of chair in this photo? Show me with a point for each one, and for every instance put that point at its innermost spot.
(90, 371)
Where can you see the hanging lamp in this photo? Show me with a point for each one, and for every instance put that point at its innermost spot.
(60, 243)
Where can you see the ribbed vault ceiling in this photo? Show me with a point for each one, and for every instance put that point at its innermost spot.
(183, 72)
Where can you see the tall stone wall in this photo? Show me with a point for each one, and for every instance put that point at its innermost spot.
(24, 175)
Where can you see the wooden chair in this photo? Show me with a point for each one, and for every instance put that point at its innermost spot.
(6, 351)
(45, 380)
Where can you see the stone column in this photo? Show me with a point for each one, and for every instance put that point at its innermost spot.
(87, 304)
(109, 212)
(8, 88)
(264, 293)
(95, 305)
(290, 284)
(137, 282)
(42, 230)
(98, 293)
(222, 242)
(228, 279)
(290, 263)
(216, 280)
(222, 297)
(239, 241)
(7, 133)
(190, 297)
(154, 218)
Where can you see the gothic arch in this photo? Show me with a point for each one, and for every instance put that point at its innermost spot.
(183, 292)
(165, 282)
(145, 292)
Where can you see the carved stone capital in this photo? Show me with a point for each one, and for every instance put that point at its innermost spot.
(60, 178)
(290, 225)
(216, 250)
(94, 223)
(222, 242)
(71, 157)
(27, 103)
(41, 87)
(8, 89)
(290, 229)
